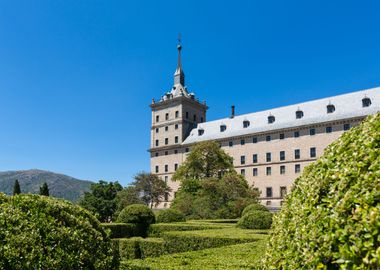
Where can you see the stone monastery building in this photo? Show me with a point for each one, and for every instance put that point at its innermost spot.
(270, 147)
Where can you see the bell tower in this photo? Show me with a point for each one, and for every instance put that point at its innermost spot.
(173, 117)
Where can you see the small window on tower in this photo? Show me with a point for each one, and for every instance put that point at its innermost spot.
(176, 114)
(166, 141)
(167, 116)
(200, 132)
(187, 115)
(246, 123)
(223, 128)
(157, 118)
(195, 118)
(176, 139)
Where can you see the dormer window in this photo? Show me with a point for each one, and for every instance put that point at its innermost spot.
(223, 128)
(246, 123)
(200, 132)
(299, 114)
(271, 119)
(330, 108)
(366, 102)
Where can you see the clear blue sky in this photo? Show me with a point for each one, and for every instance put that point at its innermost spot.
(76, 77)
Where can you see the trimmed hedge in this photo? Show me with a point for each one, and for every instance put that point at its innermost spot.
(140, 248)
(229, 257)
(331, 219)
(259, 220)
(170, 215)
(159, 229)
(138, 214)
(254, 207)
(122, 230)
(40, 232)
(195, 240)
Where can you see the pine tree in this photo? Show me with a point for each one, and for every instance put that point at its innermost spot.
(44, 190)
(16, 188)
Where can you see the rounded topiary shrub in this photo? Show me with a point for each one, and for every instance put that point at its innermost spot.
(259, 220)
(331, 219)
(39, 232)
(170, 215)
(138, 214)
(254, 207)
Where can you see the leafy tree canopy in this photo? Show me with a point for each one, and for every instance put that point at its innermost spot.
(151, 188)
(101, 200)
(205, 160)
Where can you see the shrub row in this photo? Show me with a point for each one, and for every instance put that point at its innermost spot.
(258, 220)
(140, 248)
(122, 230)
(159, 229)
(170, 215)
(241, 256)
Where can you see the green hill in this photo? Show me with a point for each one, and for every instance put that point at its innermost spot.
(60, 186)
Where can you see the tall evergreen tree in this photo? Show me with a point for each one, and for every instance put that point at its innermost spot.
(44, 190)
(16, 188)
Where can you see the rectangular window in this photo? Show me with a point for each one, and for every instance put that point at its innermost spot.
(269, 157)
(346, 126)
(187, 115)
(282, 155)
(176, 126)
(297, 168)
(282, 136)
(175, 166)
(156, 154)
(166, 179)
(269, 170)
(282, 169)
(157, 130)
(297, 154)
(254, 157)
(157, 170)
(166, 196)
(166, 140)
(176, 114)
(175, 151)
(269, 192)
(157, 118)
(328, 129)
(195, 118)
(166, 153)
(157, 143)
(187, 150)
(313, 152)
(166, 128)
(176, 139)
(268, 138)
(201, 119)
(242, 172)
(166, 168)
(312, 131)
(296, 134)
(255, 172)
(230, 143)
(254, 140)
(166, 116)
(242, 160)
(242, 142)
(283, 192)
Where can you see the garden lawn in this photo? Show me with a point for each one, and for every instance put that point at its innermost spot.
(241, 256)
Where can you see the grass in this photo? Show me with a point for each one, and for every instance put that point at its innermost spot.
(241, 256)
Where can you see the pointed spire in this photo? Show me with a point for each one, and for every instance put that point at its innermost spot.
(179, 75)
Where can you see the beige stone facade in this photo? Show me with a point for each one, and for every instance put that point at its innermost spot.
(271, 148)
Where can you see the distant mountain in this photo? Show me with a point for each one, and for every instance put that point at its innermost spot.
(60, 186)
